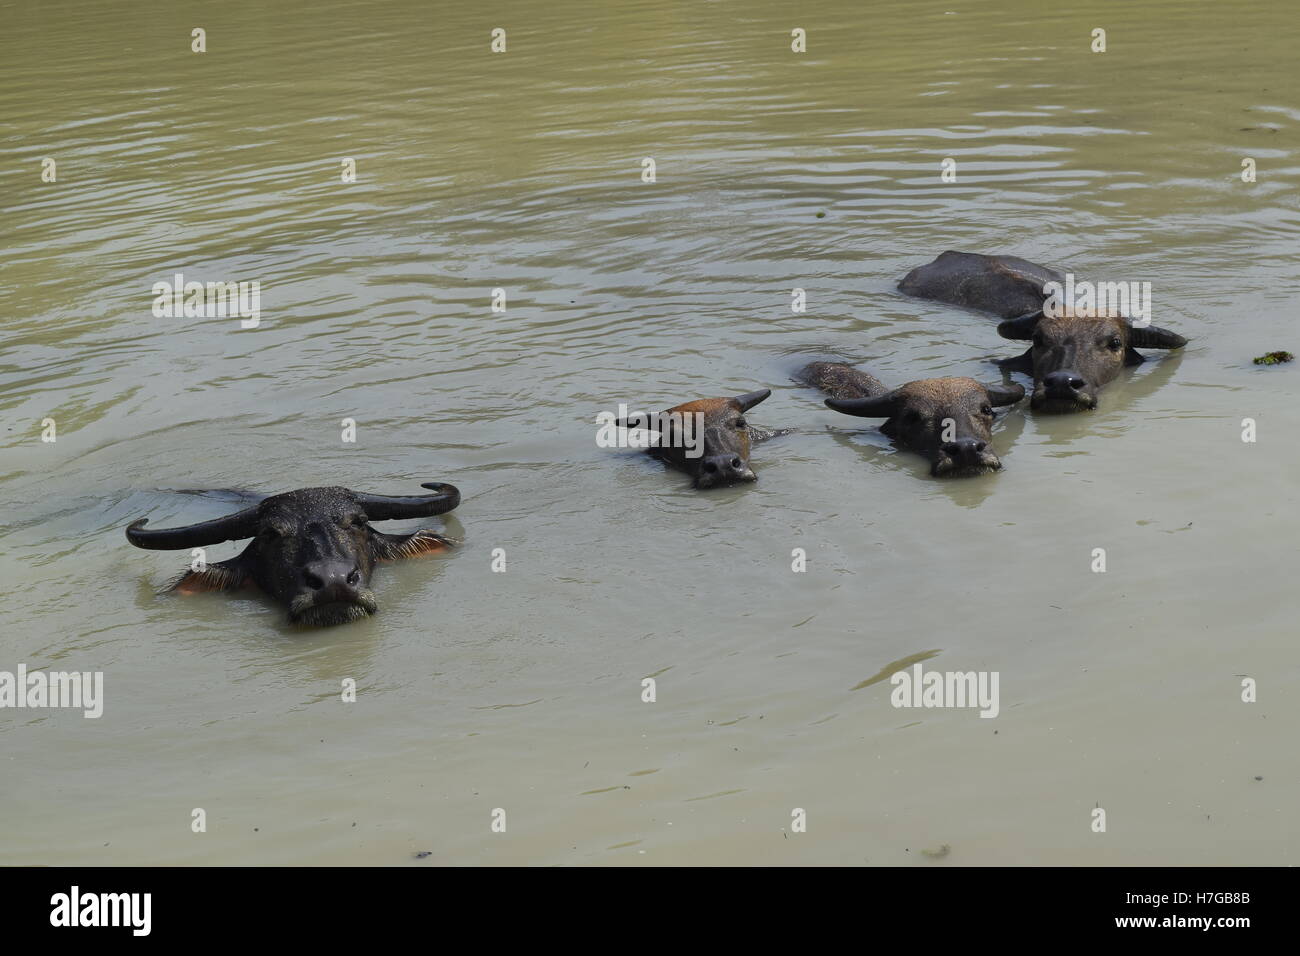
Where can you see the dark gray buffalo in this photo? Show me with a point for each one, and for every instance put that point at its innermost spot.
(1071, 356)
(948, 420)
(313, 549)
(1003, 285)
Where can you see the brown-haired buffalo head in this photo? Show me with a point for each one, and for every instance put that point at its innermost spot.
(1072, 356)
(313, 549)
(710, 439)
(949, 420)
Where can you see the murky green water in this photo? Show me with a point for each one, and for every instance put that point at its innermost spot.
(522, 171)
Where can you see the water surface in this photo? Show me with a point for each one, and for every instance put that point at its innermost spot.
(522, 171)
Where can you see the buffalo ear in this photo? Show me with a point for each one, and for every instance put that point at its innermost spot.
(1000, 394)
(229, 575)
(1020, 328)
(391, 547)
(1151, 337)
(750, 399)
(879, 406)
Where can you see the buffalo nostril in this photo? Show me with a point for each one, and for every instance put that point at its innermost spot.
(1063, 381)
(963, 448)
(354, 578)
(710, 467)
(313, 581)
(735, 463)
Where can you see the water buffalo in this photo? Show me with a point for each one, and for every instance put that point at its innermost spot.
(313, 549)
(1073, 353)
(948, 420)
(1071, 357)
(709, 439)
(1003, 285)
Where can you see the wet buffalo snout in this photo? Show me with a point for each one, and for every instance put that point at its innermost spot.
(965, 450)
(1064, 383)
(332, 580)
(723, 467)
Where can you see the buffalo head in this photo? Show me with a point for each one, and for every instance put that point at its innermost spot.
(948, 420)
(313, 549)
(709, 439)
(1072, 356)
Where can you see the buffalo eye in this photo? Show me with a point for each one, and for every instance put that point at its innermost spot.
(986, 409)
(741, 423)
(1114, 343)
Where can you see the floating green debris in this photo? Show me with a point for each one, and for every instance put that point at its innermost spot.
(937, 853)
(821, 215)
(1274, 358)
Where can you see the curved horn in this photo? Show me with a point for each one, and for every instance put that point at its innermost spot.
(1154, 338)
(396, 507)
(750, 399)
(242, 524)
(1000, 394)
(881, 406)
(1020, 328)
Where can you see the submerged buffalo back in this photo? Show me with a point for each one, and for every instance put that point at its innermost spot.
(1007, 286)
(839, 380)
